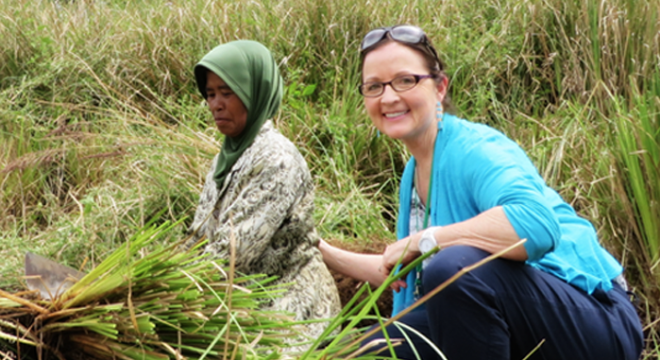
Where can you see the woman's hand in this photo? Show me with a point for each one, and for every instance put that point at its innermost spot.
(363, 267)
(405, 249)
(398, 284)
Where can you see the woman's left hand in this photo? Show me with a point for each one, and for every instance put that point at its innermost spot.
(406, 249)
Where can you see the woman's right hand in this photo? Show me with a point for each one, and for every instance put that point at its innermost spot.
(363, 267)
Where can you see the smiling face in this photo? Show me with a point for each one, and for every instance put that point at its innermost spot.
(403, 115)
(228, 111)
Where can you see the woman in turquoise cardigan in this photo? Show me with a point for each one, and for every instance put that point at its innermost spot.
(472, 192)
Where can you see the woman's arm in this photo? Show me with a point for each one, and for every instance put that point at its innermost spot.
(497, 197)
(363, 267)
(490, 231)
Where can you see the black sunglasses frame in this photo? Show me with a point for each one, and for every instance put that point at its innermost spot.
(407, 34)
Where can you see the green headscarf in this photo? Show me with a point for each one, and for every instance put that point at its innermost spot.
(248, 68)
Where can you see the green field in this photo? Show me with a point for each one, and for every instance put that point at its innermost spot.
(102, 126)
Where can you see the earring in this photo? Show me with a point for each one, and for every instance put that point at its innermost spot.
(438, 115)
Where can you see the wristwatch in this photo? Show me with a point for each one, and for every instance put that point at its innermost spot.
(427, 242)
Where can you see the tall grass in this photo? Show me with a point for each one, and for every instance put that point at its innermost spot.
(101, 125)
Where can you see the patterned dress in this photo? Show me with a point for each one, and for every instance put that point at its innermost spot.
(267, 203)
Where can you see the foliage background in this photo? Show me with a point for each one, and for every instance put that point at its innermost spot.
(101, 126)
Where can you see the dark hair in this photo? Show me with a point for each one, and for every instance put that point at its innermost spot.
(434, 65)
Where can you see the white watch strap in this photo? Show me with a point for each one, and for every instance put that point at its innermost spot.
(429, 235)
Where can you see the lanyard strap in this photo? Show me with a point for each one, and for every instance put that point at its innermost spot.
(427, 210)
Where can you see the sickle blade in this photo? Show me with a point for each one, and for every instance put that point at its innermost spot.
(50, 278)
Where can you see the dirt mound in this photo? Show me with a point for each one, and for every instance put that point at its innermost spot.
(348, 286)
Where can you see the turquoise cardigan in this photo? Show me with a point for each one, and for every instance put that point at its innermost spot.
(477, 168)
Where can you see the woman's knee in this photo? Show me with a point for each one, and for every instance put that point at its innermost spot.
(448, 262)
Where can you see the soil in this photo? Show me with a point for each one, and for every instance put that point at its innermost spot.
(348, 286)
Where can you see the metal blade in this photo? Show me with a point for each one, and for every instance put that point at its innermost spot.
(47, 276)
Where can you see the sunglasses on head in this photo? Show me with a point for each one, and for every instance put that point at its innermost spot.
(408, 34)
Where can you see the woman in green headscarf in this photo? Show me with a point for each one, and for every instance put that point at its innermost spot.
(259, 189)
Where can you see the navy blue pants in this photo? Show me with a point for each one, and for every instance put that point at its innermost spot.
(504, 309)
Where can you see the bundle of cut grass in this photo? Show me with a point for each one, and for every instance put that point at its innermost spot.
(167, 304)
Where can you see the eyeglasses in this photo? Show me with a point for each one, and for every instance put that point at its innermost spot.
(408, 34)
(398, 84)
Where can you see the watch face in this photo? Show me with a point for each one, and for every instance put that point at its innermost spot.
(427, 242)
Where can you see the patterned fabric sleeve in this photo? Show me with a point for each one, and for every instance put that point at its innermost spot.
(259, 209)
(266, 204)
